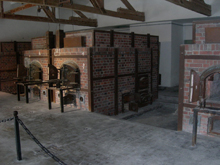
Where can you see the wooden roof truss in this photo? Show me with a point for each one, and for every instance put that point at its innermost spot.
(198, 6)
(48, 6)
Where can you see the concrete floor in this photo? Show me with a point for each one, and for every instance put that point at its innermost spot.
(84, 138)
(164, 117)
(163, 112)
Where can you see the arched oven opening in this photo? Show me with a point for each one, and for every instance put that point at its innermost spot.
(206, 86)
(205, 89)
(70, 75)
(212, 88)
(35, 72)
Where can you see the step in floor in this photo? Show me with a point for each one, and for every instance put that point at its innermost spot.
(163, 117)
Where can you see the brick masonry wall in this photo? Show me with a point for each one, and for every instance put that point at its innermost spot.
(122, 40)
(8, 66)
(39, 56)
(88, 34)
(126, 61)
(103, 62)
(200, 31)
(39, 43)
(8, 86)
(7, 47)
(125, 85)
(140, 41)
(104, 96)
(81, 62)
(188, 121)
(103, 89)
(144, 60)
(8, 75)
(199, 65)
(8, 61)
(154, 44)
(22, 46)
(61, 57)
(102, 39)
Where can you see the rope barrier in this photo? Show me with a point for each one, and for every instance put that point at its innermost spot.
(39, 144)
(6, 120)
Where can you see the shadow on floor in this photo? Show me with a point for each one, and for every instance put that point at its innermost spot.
(167, 115)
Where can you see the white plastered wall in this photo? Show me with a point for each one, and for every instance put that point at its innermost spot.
(163, 30)
(177, 40)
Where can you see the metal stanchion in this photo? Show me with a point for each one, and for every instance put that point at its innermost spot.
(17, 136)
(61, 100)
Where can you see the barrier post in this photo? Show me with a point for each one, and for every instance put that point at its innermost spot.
(17, 136)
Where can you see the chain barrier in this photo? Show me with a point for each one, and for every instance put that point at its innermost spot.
(6, 120)
(39, 144)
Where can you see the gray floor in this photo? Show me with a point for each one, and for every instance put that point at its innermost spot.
(164, 117)
(163, 113)
(84, 138)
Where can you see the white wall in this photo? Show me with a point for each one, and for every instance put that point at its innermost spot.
(163, 30)
(187, 31)
(13, 30)
(155, 10)
(177, 40)
(16, 30)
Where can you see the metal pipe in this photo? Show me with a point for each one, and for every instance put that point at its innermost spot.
(49, 99)
(17, 136)
(18, 92)
(195, 121)
(26, 93)
(61, 100)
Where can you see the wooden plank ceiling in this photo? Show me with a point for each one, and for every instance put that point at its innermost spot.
(48, 6)
(97, 7)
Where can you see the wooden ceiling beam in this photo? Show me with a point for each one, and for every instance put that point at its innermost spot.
(93, 2)
(73, 21)
(78, 7)
(53, 11)
(128, 5)
(80, 14)
(99, 4)
(127, 11)
(17, 9)
(198, 6)
(92, 22)
(49, 13)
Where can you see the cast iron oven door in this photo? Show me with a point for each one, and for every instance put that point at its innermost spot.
(36, 91)
(69, 99)
(144, 90)
(200, 85)
(35, 72)
(53, 72)
(70, 75)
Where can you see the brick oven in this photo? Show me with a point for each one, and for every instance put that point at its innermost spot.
(199, 80)
(10, 59)
(101, 66)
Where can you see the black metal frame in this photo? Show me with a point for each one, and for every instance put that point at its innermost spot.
(210, 110)
(61, 89)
